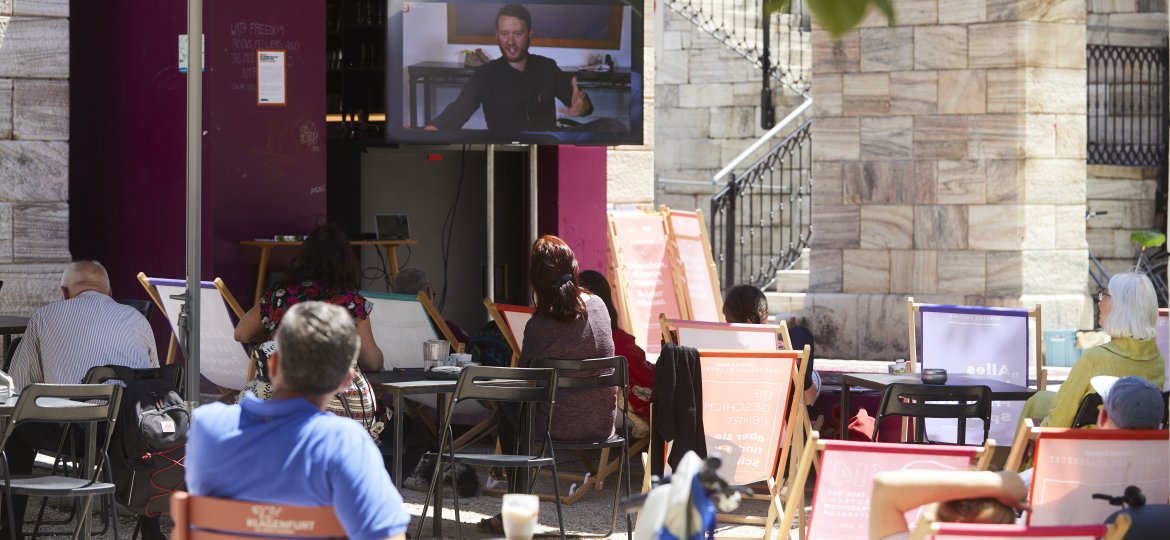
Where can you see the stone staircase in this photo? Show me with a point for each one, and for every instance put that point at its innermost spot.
(791, 287)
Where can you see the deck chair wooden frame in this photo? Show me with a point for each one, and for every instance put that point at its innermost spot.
(790, 442)
(815, 449)
(709, 278)
(1110, 439)
(497, 312)
(670, 329)
(228, 298)
(623, 289)
(1035, 331)
(928, 528)
(209, 518)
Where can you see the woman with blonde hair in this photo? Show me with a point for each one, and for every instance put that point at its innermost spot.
(1129, 315)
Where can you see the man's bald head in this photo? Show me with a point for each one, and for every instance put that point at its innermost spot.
(84, 276)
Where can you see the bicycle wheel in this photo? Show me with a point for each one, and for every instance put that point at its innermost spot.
(1157, 269)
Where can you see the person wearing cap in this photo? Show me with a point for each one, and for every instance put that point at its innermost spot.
(1128, 403)
(1129, 314)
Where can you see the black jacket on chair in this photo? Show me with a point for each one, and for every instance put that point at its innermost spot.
(678, 405)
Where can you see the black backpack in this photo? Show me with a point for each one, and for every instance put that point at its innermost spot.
(150, 441)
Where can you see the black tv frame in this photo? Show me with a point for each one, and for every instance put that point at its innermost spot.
(397, 131)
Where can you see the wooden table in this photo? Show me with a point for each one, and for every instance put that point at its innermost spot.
(1000, 391)
(391, 247)
(11, 325)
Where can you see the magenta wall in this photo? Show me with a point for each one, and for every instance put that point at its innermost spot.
(263, 168)
(572, 191)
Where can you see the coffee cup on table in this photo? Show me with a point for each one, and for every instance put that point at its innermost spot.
(520, 513)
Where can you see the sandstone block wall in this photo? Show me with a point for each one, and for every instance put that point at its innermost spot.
(949, 164)
(34, 151)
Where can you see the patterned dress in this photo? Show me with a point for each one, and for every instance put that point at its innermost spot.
(358, 401)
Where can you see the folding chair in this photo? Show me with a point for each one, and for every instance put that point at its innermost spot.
(528, 387)
(223, 360)
(921, 401)
(209, 518)
(996, 343)
(511, 320)
(1088, 410)
(401, 323)
(845, 481)
(145, 307)
(933, 530)
(693, 265)
(719, 335)
(88, 405)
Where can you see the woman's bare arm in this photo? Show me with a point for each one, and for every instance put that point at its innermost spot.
(249, 329)
(369, 356)
(898, 492)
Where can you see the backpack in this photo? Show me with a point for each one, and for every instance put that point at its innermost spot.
(149, 443)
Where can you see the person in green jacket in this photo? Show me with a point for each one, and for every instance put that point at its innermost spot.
(1129, 314)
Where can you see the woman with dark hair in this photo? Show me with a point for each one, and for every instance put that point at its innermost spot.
(325, 269)
(746, 304)
(569, 324)
(641, 372)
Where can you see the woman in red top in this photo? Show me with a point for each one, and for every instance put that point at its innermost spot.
(641, 371)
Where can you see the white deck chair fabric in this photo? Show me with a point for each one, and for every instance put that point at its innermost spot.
(222, 359)
(714, 335)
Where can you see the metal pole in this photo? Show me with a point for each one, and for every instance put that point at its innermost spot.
(194, 191)
(491, 222)
(533, 203)
(767, 111)
(729, 265)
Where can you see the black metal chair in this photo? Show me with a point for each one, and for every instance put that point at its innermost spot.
(1087, 411)
(145, 307)
(527, 387)
(90, 405)
(922, 401)
(612, 373)
(11, 352)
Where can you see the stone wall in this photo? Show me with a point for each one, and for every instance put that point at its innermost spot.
(708, 111)
(34, 151)
(1128, 195)
(1130, 23)
(630, 169)
(949, 158)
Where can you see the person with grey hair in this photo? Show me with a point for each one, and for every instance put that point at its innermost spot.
(288, 450)
(1129, 315)
(63, 340)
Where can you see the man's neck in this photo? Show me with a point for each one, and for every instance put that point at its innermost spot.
(320, 400)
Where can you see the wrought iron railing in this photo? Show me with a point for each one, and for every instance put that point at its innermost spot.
(760, 221)
(1127, 105)
(737, 24)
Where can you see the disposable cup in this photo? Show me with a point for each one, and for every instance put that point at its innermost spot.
(520, 513)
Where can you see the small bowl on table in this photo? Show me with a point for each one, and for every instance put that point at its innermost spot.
(934, 376)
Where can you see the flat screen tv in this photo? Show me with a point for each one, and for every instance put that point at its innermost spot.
(553, 72)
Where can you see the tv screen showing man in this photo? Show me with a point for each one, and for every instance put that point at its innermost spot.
(469, 71)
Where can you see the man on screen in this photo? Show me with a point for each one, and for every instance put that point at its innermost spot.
(517, 90)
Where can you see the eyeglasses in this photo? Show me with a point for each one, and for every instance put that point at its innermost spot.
(1102, 295)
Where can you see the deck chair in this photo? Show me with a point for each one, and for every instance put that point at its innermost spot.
(995, 343)
(223, 360)
(511, 319)
(717, 335)
(928, 529)
(755, 447)
(1072, 464)
(209, 518)
(693, 265)
(845, 482)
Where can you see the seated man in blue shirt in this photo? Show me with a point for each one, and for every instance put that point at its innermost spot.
(288, 450)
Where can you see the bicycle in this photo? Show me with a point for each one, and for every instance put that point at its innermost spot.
(1152, 259)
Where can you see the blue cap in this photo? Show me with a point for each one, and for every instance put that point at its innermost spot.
(1131, 402)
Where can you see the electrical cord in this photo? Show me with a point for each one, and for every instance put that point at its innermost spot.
(448, 230)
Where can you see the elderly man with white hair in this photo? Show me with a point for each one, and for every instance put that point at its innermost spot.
(64, 339)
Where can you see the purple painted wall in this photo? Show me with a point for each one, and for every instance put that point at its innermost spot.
(572, 191)
(263, 167)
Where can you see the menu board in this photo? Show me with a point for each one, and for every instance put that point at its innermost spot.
(694, 266)
(221, 358)
(990, 343)
(641, 268)
(845, 481)
(1072, 465)
(744, 409)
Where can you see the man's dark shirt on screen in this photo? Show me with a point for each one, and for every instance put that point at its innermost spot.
(513, 101)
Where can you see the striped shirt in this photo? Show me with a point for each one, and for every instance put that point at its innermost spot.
(65, 339)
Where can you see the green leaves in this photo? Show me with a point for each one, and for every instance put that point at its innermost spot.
(1148, 239)
(837, 16)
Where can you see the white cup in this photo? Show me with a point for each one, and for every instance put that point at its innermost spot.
(520, 512)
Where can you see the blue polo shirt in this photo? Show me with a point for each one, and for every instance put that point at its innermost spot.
(290, 452)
